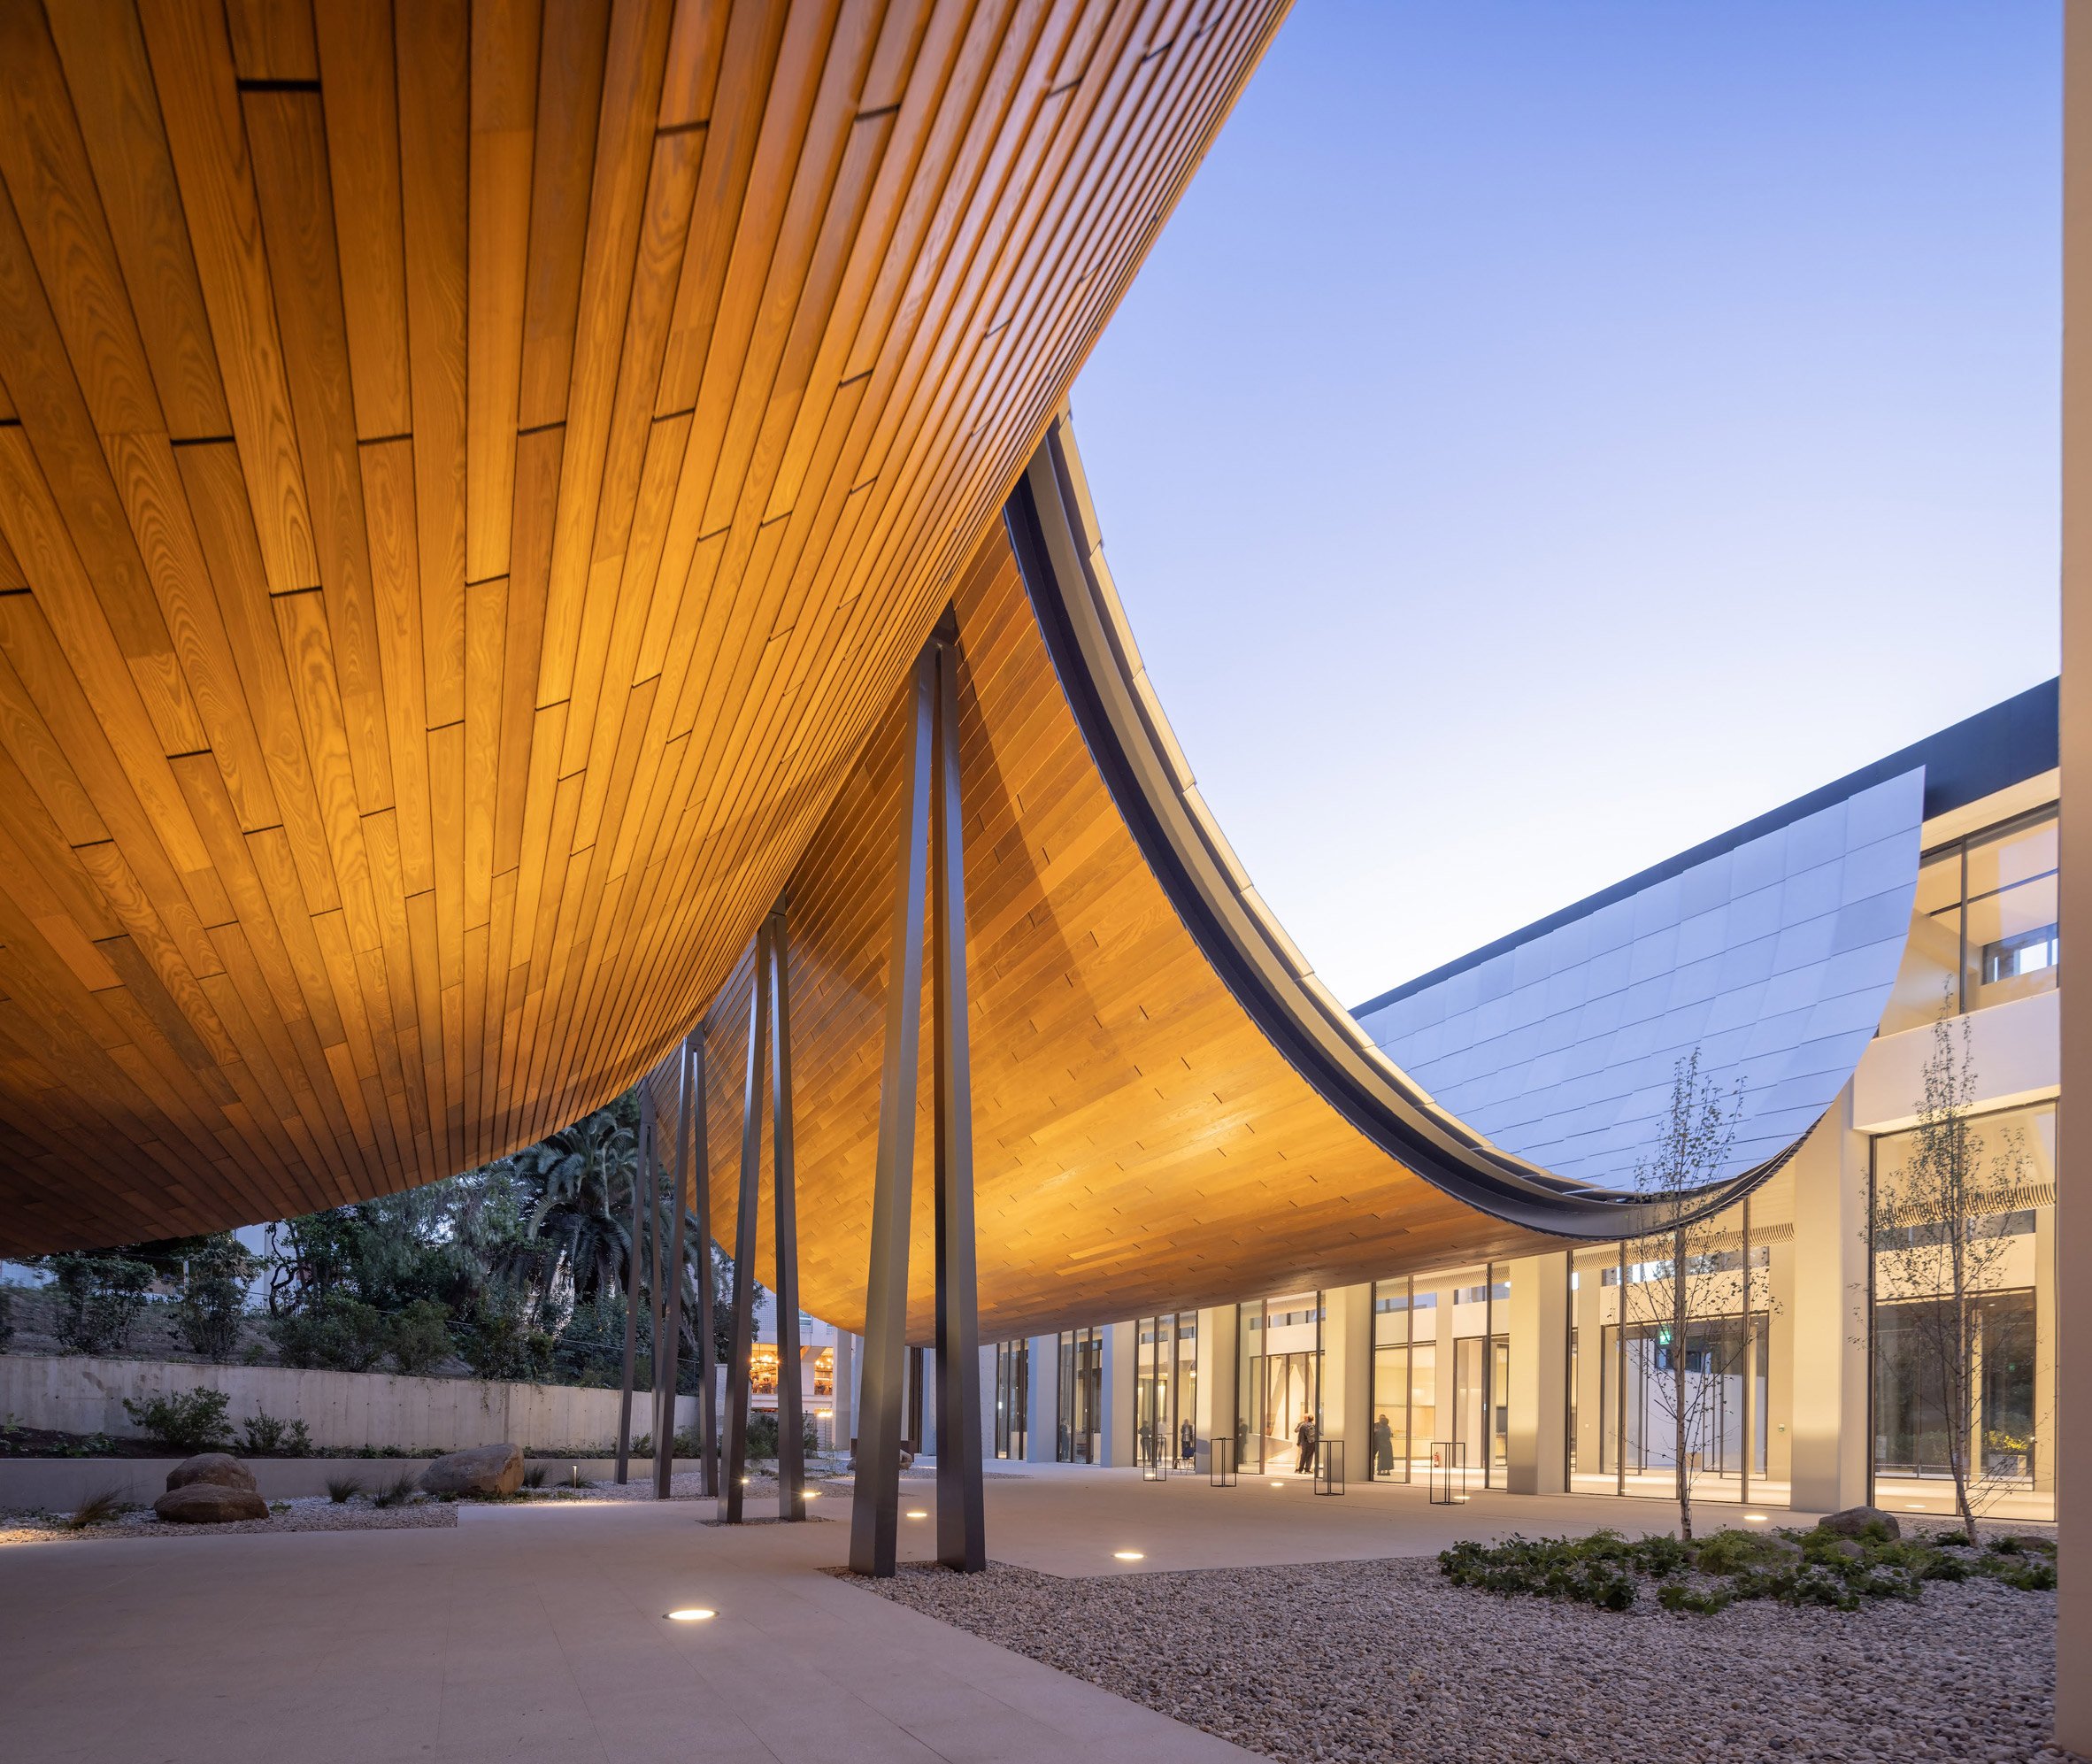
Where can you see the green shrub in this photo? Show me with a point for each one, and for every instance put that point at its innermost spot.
(501, 1341)
(534, 1476)
(335, 1334)
(1731, 1552)
(266, 1436)
(420, 1337)
(341, 1489)
(193, 1421)
(213, 1301)
(1791, 1568)
(2033, 1574)
(1594, 1570)
(100, 1299)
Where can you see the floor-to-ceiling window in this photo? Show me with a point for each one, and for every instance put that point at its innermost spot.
(1987, 1364)
(1984, 930)
(1404, 1379)
(1078, 1426)
(1660, 1389)
(1013, 1377)
(1279, 1381)
(1165, 1390)
(1481, 1373)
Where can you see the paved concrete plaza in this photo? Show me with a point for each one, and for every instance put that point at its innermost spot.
(539, 1631)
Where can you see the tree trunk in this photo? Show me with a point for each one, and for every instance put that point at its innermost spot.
(1963, 1441)
(1679, 1309)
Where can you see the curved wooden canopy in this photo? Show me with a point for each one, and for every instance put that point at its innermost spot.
(470, 475)
(1139, 1141)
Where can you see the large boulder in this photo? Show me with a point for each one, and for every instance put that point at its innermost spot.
(484, 1470)
(210, 1503)
(212, 1466)
(1861, 1521)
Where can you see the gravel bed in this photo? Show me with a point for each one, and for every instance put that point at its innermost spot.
(1386, 1660)
(316, 1514)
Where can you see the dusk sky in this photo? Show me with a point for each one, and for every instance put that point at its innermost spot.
(1546, 435)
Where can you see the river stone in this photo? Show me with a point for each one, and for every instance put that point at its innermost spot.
(210, 1503)
(1855, 1521)
(484, 1470)
(212, 1466)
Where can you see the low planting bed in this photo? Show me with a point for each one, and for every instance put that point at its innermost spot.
(1816, 1567)
(1352, 1661)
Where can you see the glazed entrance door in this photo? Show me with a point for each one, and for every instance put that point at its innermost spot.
(1290, 1395)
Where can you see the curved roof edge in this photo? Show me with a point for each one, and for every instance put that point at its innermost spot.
(1053, 532)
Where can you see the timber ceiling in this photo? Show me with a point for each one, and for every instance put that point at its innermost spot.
(1139, 1144)
(470, 475)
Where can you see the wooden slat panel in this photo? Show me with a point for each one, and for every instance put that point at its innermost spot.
(471, 476)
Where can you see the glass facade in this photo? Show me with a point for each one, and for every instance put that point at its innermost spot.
(1166, 1388)
(1279, 1382)
(1405, 1380)
(1013, 1380)
(1984, 932)
(1080, 1390)
(1974, 1367)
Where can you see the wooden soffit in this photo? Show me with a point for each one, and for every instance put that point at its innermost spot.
(471, 478)
(1139, 1142)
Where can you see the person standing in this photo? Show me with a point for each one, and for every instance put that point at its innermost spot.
(1304, 1444)
(1384, 1448)
(1188, 1444)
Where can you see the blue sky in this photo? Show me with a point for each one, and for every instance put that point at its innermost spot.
(1547, 435)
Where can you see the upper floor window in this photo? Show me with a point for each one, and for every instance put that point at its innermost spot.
(1984, 931)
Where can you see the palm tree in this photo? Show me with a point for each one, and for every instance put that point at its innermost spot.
(568, 1192)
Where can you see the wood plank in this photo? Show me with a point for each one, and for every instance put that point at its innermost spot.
(360, 93)
(290, 145)
(118, 113)
(434, 62)
(199, 99)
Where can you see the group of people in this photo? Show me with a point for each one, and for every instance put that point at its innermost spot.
(1155, 1441)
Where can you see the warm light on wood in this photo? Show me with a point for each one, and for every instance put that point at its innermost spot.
(471, 477)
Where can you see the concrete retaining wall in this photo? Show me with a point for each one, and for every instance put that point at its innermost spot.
(59, 1484)
(342, 1410)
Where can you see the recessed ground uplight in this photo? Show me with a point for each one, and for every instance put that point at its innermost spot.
(1754, 1518)
(917, 1512)
(810, 1494)
(1128, 1556)
(1278, 1485)
(695, 1614)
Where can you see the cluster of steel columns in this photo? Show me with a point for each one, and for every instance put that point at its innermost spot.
(931, 883)
(689, 1205)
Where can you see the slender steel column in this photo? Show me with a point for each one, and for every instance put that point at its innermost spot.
(875, 1505)
(708, 1416)
(631, 1254)
(657, 1259)
(686, 1103)
(744, 1235)
(791, 1451)
(962, 1533)
(651, 1172)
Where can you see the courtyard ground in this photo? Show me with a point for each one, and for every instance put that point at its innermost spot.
(1267, 1613)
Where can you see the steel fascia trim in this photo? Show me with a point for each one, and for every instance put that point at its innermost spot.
(1094, 658)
